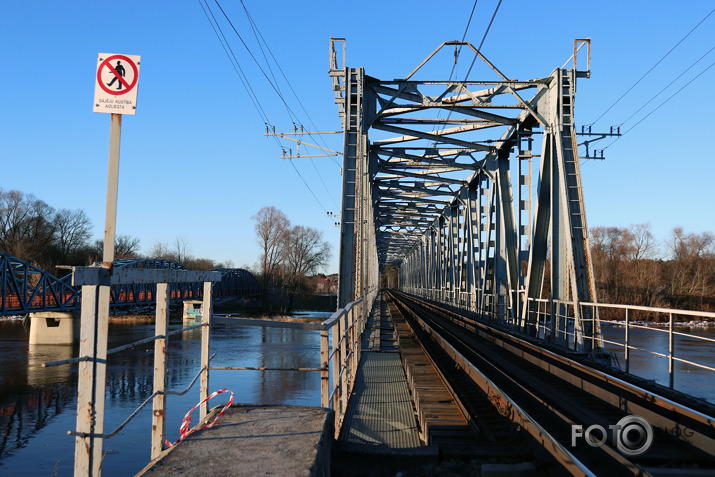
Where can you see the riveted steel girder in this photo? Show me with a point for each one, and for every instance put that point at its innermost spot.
(449, 209)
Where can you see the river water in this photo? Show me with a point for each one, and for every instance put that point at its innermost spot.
(38, 405)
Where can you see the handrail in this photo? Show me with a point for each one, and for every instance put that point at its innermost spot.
(339, 358)
(554, 317)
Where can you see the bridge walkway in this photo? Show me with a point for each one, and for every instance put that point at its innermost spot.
(380, 409)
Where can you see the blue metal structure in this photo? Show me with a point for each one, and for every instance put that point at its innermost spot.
(236, 282)
(25, 288)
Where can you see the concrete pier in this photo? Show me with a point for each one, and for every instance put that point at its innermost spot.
(192, 311)
(253, 440)
(54, 328)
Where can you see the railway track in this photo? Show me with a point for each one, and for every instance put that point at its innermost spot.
(515, 391)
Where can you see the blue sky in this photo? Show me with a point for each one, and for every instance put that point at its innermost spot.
(195, 162)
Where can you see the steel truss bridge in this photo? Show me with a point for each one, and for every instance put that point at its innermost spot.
(471, 188)
(25, 288)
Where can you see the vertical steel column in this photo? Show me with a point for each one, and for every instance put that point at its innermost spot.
(352, 149)
(336, 371)
(524, 157)
(453, 252)
(158, 433)
(472, 245)
(509, 238)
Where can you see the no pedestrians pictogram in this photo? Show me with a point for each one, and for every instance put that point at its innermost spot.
(115, 88)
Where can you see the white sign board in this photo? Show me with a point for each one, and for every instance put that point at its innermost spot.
(115, 87)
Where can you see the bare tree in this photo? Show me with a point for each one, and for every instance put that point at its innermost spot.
(689, 273)
(182, 250)
(306, 253)
(72, 232)
(125, 246)
(26, 228)
(161, 251)
(271, 227)
(643, 244)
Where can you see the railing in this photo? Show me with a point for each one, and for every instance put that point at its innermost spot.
(628, 325)
(552, 321)
(339, 355)
(340, 350)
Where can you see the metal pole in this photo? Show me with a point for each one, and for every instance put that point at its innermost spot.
(336, 374)
(628, 333)
(158, 433)
(205, 349)
(344, 362)
(671, 352)
(325, 373)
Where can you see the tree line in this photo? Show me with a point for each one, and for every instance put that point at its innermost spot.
(33, 231)
(631, 266)
(289, 254)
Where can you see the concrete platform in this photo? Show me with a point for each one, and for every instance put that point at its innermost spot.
(253, 440)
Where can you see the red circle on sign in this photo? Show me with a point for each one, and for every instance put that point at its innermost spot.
(121, 80)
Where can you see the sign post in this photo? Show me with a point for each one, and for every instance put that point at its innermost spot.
(115, 92)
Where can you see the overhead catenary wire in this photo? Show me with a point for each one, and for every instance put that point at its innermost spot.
(234, 62)
(244, 79)
(476, 55)
(464, 35)
(660, 105)
(458, 51)
(481, 43)
(667, 86)
(274, 86)
(652, 67)
(259, 38)
(310, 119)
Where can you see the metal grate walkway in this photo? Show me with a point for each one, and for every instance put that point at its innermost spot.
(380, 410)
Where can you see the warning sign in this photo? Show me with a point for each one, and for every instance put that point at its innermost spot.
(115, 89)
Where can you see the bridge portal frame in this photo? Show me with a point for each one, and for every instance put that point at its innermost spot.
(466, 241)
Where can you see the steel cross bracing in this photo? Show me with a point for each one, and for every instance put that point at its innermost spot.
(25, 288)
(446, 171)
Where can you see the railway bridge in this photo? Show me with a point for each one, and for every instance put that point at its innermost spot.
(472, 190)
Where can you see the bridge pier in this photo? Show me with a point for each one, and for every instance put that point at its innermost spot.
(54, 328)
(193, 311)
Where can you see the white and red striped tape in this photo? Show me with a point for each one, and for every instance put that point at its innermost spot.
(184, 429)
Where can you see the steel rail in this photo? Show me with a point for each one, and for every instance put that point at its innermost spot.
(660, 411)
(519, 416)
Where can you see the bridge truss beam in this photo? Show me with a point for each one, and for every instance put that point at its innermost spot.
(449, 199)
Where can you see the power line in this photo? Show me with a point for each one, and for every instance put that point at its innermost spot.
(483, 38)
(476, 55)
(253, 23)
(306, 184)
(659, 106)
(459, 50)
(667, 86)
(259, 38)
(234, 62)
(244, 79)
(652, 68)
(290, 112)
